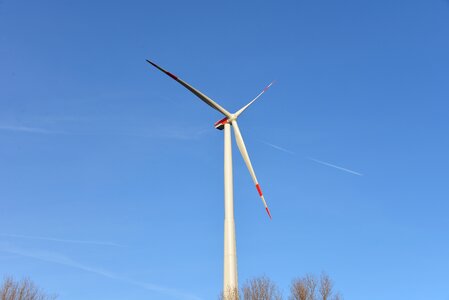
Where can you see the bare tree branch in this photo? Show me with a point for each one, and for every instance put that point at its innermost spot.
(22, 290)
(261, 288)
(338, 296)
(303, 288)
(326, 286)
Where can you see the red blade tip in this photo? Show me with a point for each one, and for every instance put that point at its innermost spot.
(268, 212)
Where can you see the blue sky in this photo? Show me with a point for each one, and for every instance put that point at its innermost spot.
(111, 174)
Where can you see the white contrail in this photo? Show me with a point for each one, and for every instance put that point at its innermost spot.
(278, 147)
(57, 258)
(313, 159)
(334, 166)
(99, 243)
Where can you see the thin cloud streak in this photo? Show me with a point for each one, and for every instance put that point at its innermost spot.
(60, 259)
(334, 166)
(278, 148)
(26, 129)
(5, 257)
(175, 133)
(98, 243)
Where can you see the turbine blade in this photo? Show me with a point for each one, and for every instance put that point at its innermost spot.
(197, 93)
(252, 101)
(242, 148)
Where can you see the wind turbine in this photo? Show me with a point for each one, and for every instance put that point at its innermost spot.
(230, 280)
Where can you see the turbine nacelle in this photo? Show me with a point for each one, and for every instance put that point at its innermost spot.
(220, 124)
(226, 120)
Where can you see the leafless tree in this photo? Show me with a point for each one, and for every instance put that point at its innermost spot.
(303, 288)
(22, 290)
(261, 288)
(326, 286)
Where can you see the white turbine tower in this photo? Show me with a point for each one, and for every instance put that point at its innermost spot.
(230, 279)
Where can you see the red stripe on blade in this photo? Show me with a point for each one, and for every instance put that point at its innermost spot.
(258, 189)
(268, 212)
(268, 86)
(172, 76)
